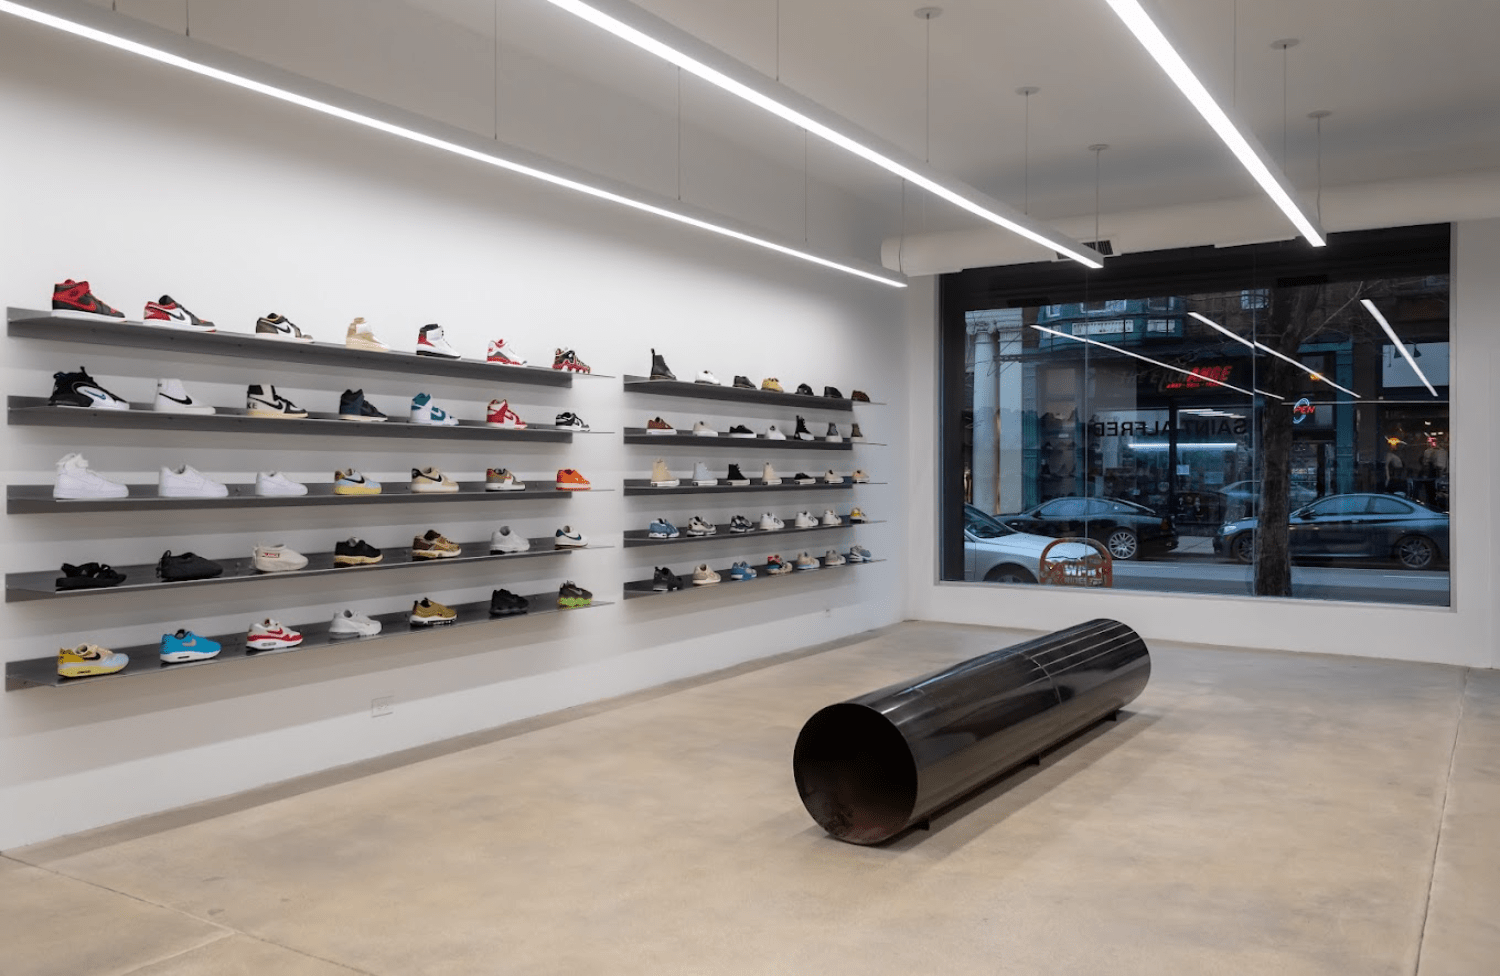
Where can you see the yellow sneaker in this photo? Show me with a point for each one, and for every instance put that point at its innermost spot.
(87, 659)
(771, 383)
(433, 546)
(427, 612)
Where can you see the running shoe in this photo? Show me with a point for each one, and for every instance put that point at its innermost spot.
(504, 542)
(701, 429)
(699, 527)
(425, 410)
(832, 393)
(804, 479)
(657, 427)
(776, 566)
(856, 516)
(736, 477)
(859, 476)
(567, 360)
(351, 482)
(356, 552)
(743, 383)
(740, 430)
(804, 520)
(856, 435)
(773, 433)
(277, 559)
(570, 480)
(771, 383)
(171, 397)
(275, 326)
(432, 342)
(89, 576)
(701, 475)
(703, 576)
(75, 480)
(830, 517)
(768, 475)
(360, 336)
(188, 482)
(433, 545)
(500, 479)
(263, 401)
(659, 370)
(740, 572)
(270, 635)
(859, 396)
(806, 562)
(568, 420)
(348, 623)
(354, 406)
(802, 433)
(502, 356)
(427, 613)
(770, 523)
(504, 603)
(566, 538)
(804, 390)
(186, 646)
(739, 524)
(89, 659)
(431, 480)
(859, 554)
(499, 414)
(570, 595)
(82, 390)
(661, 477)
(664, 580)
(707, 379)
(661, 529)
(186, 567)
(74, 300)
(832, 558)
(832, 436)
(832, 477)
(168, 314)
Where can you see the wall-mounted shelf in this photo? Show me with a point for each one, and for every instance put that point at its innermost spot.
(638, 435)
(38, 500)
(21, 587)
(641, 538)
(638, 589)
(145, 659)
(707, 391)
(642, 486)
(32, 324)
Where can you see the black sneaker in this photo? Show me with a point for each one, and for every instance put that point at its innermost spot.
(743, 383)
(664, 580)
(855, 434)
(803, 478)
(504, 603)
(571, 595)
(833, 434)
(740, 524)
(832, 393)
(568, 420)
(89, 576)
(659, 369)
(740, 430)
(802, 433)
(354, 406)
(81, 390)
(735, 477)
(356, 552)
(804, 390)
(179, 569)
(264, 401)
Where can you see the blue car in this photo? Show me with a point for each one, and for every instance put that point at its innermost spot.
(1358, 526)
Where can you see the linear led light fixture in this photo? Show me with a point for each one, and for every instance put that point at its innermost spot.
(656, 36)
(1267, 349)
(1144, 359)
(1370, 307)
(1244, 146)
(165, 47)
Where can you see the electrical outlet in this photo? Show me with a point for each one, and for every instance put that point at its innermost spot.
(380, 707)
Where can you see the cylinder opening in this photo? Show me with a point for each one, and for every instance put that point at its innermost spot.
(855, 774)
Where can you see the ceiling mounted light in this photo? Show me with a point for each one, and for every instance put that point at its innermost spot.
(1267, 349)
(1244, 146)
(1370, 307)
(652, 34)
(86, 21)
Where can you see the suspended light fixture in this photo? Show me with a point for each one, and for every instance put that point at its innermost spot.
(1267, 349)
(655, 36)
(92, 23)
(1370, 307)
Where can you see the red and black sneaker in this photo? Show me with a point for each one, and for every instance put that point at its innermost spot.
(168, 314)
(73, 298)
(568, 359)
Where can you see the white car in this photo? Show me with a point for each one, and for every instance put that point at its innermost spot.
(996, 553)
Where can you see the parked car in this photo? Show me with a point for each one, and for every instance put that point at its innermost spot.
(1357, 526)
(1126, 529)
(996, 553)
(1242, 498)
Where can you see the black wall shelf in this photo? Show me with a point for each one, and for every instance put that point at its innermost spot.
(38, 500)
(638, 435)
(145, 659)
(642, 486)
(641, 538)
(638, 589)
(706, 391)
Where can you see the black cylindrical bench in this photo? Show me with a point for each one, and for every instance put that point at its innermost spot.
(872, 766)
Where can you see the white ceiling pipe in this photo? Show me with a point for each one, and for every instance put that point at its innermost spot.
(1222, 223)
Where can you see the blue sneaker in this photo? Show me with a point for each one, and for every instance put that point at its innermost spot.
(425, 410)
(187, 646)
(859, 554)
(741, 571)
(661, 529)
(351, 482)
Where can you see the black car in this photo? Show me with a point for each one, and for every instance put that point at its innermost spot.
(1358, 526)
(1126, 529)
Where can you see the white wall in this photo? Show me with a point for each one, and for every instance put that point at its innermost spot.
(144, 181)
(1464, 634)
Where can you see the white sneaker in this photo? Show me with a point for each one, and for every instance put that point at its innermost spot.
(425, 410)
(770, 523)
(359, 336)
(806, 562)
(832, 477)
(774, 434)
(432, 342)
(504, 540)
(701, 475)
(804, 520)
(832, 558)
(566, 538)
(701, 527)
(700, 429)
(187, 482)
(347, 623)
(661, 477)
(75, 480)
(276, 483)
(859, 476)
(499, 354)
(703, 576)
(830, 518)
(277, 559)
(769, 475)
(172, 398)
(708, 379)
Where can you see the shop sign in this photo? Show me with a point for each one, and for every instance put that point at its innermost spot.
(1302, 409)
(1208, 426)
(1198, 378)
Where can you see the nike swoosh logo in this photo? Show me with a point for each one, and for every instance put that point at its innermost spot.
(179, 315)
(185, 401)
(96, 393)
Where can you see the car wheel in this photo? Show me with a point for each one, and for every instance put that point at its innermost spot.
(1416, 552)
(1122, 544)
(1009, 574)
(1243, 548)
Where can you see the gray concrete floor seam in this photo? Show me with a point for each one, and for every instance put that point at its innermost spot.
(1437, 842)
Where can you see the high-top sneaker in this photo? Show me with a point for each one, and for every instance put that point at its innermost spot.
(659, 370)
(567, 359)
(832, 393)
(735, 477)
(702, 476)
(833, 435)
(75, 480)
(264, 401)
(432, 342)
(661, 477)
(361, 336)
(73, 299)
(82, 390)
(769, 476)
(425, 411)
(802, 433)
(168, 313)
(856, 435)
(499, 414)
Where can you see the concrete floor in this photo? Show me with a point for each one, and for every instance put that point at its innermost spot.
(1254, 813)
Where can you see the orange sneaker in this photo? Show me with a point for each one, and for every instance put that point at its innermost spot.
(570, 480)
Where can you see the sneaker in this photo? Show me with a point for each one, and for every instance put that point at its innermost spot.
(172, 398)
(771, 383)
(701, 429)
(702, 476)
(275, 326)
(802, 433)
(351, 482)
(504, 541)
(661, 477)
(500, 479)
(187, 646)
(768, 475)
(504, 603)
(739, 524)
(274, 483)
(74, 300)
(770, 523)
(858, 515)
(664, 580)
(776, 566)
(832, 558)
(659, 370)
(703, 576)
(75, 480)
(743, 383)
(740, 430)
(566, 538)
(804, 520)
(804, 479)
(568, 420)
(432, 342)
(570, 480)
(264, 401)
(430, 480)
(806, 562)
(832, 393)
(360, 336)
(856, 435)
(354, 406)
(81, 390)
(701, 527)
(571, 595)
(356, 552)
(859, 554)
(567, 359)
(277, 559)
(833, 435)
(426, 613)
(804, 390)
(708, 379)
(830, 517)
(741, 571)
(168, 314)
(657, 427)
(433, 545)
(736, 477)
(347, 623)
(832, 477)
(661, 529)
(859, 476)
(89, 659)
(185, 567)
(425, 410)
(188, 482)
(773, 433)
(859, 396)
(499, 414)
(500, 355)
(89, 576)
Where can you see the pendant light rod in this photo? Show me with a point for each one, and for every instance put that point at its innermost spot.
(84, 20)
(650, 33)
(1147, 29)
